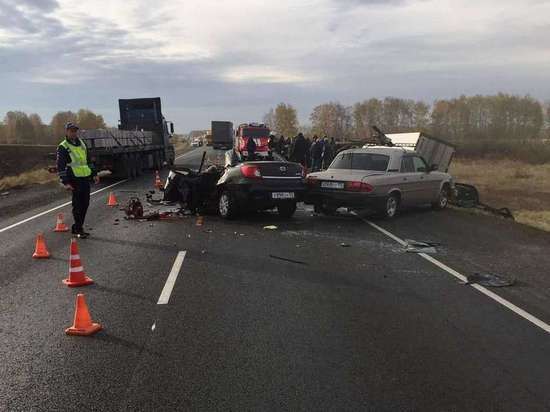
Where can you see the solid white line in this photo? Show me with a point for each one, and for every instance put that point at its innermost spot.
(57, 207)
(525, 315)
(171, 281)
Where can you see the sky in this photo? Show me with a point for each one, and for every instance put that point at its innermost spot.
(235, 59)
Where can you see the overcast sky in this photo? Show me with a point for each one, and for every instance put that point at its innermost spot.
(233, 60)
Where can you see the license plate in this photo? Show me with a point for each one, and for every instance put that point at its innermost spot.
(332, 185)
(282, 195)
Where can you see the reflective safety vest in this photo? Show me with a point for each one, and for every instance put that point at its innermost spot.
(79, 158)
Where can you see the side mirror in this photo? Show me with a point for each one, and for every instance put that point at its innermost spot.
(171, 128)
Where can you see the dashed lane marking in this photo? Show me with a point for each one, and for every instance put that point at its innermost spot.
(171, 281)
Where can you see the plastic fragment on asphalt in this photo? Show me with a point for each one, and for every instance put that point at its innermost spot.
(489, 279)
(345, 244)
(4, 193)
(271, 227)
(414, 246)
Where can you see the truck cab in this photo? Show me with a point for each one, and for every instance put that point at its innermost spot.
(257, 131)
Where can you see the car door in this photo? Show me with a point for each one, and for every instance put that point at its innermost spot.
(423, 182)
(407, 181)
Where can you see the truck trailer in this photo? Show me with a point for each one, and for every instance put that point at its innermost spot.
(222, 134)
(142, 140)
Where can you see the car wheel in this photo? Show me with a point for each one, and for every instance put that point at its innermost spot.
(391, 206)
(286, 209)
(227, 207)
(442, 199)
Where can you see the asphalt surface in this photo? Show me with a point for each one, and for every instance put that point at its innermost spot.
(287, 319)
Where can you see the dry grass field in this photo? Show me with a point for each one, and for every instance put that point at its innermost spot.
(523, 188)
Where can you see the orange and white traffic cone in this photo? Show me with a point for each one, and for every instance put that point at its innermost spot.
(60, 226)
(40, 250)
(158, 182)
(77, 277)
(82, 324)
(112, 200)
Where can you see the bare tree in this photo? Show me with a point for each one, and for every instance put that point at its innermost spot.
(57, 124)
(332, 119)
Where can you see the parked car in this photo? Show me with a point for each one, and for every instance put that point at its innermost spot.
(259, 185)
(196, 143)
(378, 178)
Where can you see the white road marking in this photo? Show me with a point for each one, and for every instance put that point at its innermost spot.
(171, 281)
(57, 207)
(525, 315)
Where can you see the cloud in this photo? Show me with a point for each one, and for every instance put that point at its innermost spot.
(245, 56)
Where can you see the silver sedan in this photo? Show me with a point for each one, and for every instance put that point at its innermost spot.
(378, 178)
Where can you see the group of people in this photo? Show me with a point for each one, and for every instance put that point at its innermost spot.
(315, 154)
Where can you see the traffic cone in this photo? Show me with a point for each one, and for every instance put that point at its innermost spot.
(82, 324)
(60, 226)
(40, 251)
(112, 200)
(158, 182)
(77, 277)
(200, 220)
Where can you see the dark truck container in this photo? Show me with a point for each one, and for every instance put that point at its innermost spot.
(142, 140)
(222, 134)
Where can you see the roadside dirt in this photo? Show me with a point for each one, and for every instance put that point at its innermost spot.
(21, 200)
(16, 159)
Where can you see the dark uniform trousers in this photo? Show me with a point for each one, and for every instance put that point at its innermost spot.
(81, 201)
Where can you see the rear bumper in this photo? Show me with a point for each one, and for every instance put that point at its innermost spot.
(261, 197)
(344, 199)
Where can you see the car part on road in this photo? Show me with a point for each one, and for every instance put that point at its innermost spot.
(82, 324)
(40, 250)
(134, 209)
(345, 244)
(467, 196)
(270, 227)
(490, 280)
(415, 246)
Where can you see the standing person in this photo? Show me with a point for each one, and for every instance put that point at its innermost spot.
(317, 154)
(76, 173)
(308, 151)
(299, 150)
(251, 148)
(281, 145)
(328, 153)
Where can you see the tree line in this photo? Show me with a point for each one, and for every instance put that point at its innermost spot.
(462, 120)
(20, 128)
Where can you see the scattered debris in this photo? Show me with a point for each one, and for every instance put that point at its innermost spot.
(4, 193)
(415, 246)
(271, 227)
(288, 260)
(208, 231)
(489, 279)
(203, 252)
(345, 244)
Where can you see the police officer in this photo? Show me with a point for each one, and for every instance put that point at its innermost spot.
(76, 174)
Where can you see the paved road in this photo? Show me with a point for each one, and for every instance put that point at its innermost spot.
(364, 327)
